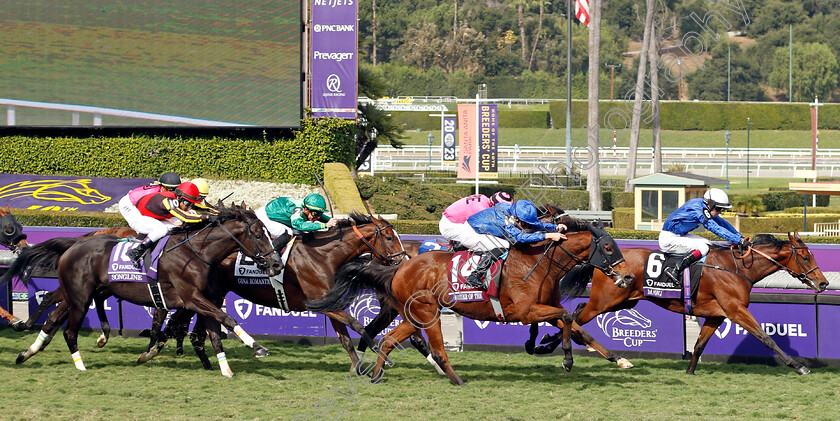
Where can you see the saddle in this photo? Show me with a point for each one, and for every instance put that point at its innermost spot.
(460, 267)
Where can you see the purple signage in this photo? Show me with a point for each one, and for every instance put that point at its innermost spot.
(646, 327)
(450, 126)
(58, 193)
(333, 58)
(488, 138)
(39, 287)
(829, 340)
(256, 318)
(364, 309)
(792, 326)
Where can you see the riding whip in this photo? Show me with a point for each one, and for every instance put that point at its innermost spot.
(329, 202)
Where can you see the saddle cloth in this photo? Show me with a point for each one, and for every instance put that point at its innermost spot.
(659, 285)
(460, 267)
(247, 273)
(121, 269)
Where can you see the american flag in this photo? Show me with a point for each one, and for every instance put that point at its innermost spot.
(582, 11)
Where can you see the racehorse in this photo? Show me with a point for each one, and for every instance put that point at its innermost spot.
(723, 291)
(308, 274)
(183, 273)
(418, 289)
(13, 238)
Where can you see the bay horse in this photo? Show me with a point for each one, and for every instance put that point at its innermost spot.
(723, 291)
(418, 290)
(13, 238)
(183, 271)
(309, 273)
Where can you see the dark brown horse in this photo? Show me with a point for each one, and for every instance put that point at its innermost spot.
(419, 290)
(309, 274)
(183, 273)
(723, 291)
(13, 238)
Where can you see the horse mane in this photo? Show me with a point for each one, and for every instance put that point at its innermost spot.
(225, 214)
(354, 217)
(350, 280)
(575, 224)
(767, 239)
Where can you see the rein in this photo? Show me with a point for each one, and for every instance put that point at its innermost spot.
(390, 258)
(258, 257)
(801, 276)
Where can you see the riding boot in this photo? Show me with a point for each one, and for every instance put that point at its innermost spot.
(281, 242)
(484, 264)
(687, 259)
(136, 253)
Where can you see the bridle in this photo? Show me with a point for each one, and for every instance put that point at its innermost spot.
(389, 259)
(595, 246)
(11, 233)
(802, 275)
(258, 257)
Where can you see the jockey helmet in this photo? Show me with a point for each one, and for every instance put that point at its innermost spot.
(188, 191)
(315, 202)
(501, 197)
(525, 211)
(203, 187)
(716, 198)
(169, 180)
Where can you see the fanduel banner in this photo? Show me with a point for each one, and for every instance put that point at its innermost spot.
(333, 58)
(58, 193)
(449, 131)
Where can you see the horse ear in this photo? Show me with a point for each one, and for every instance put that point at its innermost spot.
(244, 206)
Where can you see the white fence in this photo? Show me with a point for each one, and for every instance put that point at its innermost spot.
(714, 162)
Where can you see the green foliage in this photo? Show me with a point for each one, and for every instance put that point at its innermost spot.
(710, 83)
(523, 119)
(780, 223)
(779, 200)
(624, 218)
(748, 204)
(288, 160)
(341, 188)
(815, 71)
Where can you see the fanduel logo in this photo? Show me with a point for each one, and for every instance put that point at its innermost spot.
(317, 55)
(243, 308)
(772, 329)
(333, 28)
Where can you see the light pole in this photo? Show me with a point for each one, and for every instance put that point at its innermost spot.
(612, 77)
(726, 134)
(431, 139)
(748, 152)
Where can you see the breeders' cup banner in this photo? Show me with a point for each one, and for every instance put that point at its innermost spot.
(646, 327)
(59, 193)
(333, 60)
(479, 140)
(450, 125)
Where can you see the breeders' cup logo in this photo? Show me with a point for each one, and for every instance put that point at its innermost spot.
(78, 190)
(628, 327)
(243, 308)
(366, 307)
(334, 83)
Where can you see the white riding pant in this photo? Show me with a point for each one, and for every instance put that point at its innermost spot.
(454, 231)
(481, 242)
(155, 229)
(274, 228)
(673, 243)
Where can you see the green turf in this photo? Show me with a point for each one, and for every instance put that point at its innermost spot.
(302, 382)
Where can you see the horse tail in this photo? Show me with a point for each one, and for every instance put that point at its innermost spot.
(350, 281)
(574, 283)
(42, 255)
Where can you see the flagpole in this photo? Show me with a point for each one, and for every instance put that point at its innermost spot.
(569, 89)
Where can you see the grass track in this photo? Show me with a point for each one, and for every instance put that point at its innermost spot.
(295, 382)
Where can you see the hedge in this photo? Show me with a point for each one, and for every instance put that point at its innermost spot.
(707, 116)
(342, 189)
(415, 120)
(780, 200)
(283, 160)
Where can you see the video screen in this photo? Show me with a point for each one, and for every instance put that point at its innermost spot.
(150, 63)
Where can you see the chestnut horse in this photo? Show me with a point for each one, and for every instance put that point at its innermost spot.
(183, 273)
(723, 291)
(419, 290)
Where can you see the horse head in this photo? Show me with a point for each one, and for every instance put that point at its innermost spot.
(803, 264)
(379, 236)
(605, 255)
(11, 231)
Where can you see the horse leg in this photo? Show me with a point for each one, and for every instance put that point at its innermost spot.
(13, 320)
(202, 305)
(744, 318)
(216, 340)
(155, 344)
(386, 315)
(561, 318)
(706, 331)
(348, 320)
(344, 338)
(178, 331)
(197, 338)
(54, 321)
(99, 299)
(50, 299)
(439, 353)
(71, 335)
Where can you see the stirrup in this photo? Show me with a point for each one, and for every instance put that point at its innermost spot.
(475, 283)
(671, 273)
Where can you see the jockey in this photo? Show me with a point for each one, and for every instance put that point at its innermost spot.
(168, 181)
(675, 237)
(453, 224)
(160, 212)
(496, 228)
(203, 190)
(282, 216)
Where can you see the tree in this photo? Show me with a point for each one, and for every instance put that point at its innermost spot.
(710, 83)
(815, 71)
(541, 4)
(373, 126)
(635, 121)
(520, 6)
(775, 14)
(593, 179)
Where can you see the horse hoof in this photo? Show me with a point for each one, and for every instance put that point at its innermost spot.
(260, 351)
(20, 358)
(567, 365)
(803, 370)
(144, 358)
(179, 352)
(590, 349)
(624, 363)
(101, 341)
(529, 347)
(377, 378)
